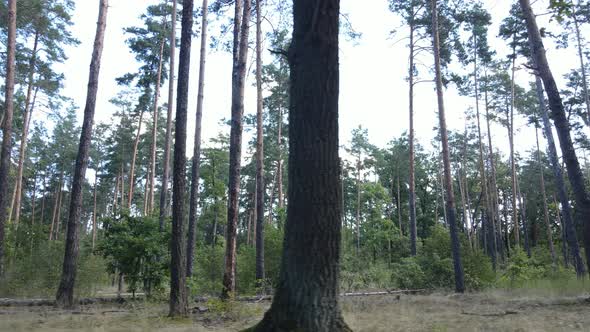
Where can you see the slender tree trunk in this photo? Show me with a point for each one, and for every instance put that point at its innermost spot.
(56, 208)
(358, 205)
(240, 56)
(525, 228)
(196, 166)
(43, 199)
(544, 196)
(94, 211)
(152, 178)
(563, 234)
(281, 194)
(23, 141)
(306, 298)
(510, 121)
(116, 195)
(178, 289)
(168, 140)
(412, 176)
(581, 57)
(450, 195)
(399, 204)
(260, 153)
(569, 228)
(133, 159)
(490, 223)
(65, 292)
(561, 123)
(7, 124)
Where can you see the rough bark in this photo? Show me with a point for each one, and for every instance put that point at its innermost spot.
(178, 289)
(450, 195)
(306, 298)
(65, 292)
(196, 166)
(569, 229)
(260, 152)
(7, 124)
(558, 115)
(168, 139)
(240, 56)
(581, 58)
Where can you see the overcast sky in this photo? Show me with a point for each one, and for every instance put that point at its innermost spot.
(373, 70)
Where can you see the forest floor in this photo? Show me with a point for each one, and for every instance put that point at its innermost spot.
(488, 311)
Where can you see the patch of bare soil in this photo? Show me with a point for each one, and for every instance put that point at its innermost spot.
(434, 312)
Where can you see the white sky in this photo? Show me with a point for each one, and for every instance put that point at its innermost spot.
(373, 88)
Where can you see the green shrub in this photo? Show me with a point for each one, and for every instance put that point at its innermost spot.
(408, 274)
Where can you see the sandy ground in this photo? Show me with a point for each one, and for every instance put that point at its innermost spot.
(498, 311)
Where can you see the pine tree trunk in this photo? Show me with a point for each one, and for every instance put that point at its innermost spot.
(525, 228)
(412, 176)
(581, 57)
(115, 195)
(133, 160)
(307, 295)
(569, 228)
(544, 197)
(490, 223)
(510, 121)
(94, 211)
(56, 207)
(7, 124)
(43, 199)
(152, 178)
(561, 123)
(260, 153)
(563, 235)
(65, 292)
(358, 204)
(178, 289)
(196, 166)
(168, 140)
(240, 56)
(450, 195)
(23, 141)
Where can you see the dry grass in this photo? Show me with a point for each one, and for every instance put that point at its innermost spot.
(488, 311)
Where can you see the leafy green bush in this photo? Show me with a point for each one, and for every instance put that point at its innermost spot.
(135, 247)
(409, 274)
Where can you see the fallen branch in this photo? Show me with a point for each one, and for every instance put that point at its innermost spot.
(491, 314)
(47, 302)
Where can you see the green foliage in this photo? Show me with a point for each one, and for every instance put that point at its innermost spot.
(208, 271)
(136, 248)
(409, 274)
(37, 273)
(522, 269)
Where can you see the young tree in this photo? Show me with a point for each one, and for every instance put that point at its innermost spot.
(196, 166)
(240, 56)
(7, 125)
(560, 120)
(65, 292)
(178, 291)
(450, 195)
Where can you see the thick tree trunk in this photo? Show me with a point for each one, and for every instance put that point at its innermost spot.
(152, 178)
(450, 195)
(7, 124)
(168, 140)
(412, 177)
(306, 298)
(133, 160)
(178, 289)
(561, 123)
(196, 166)
(260, 152)
(240, 56)
(569, 228)
(65, 292)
